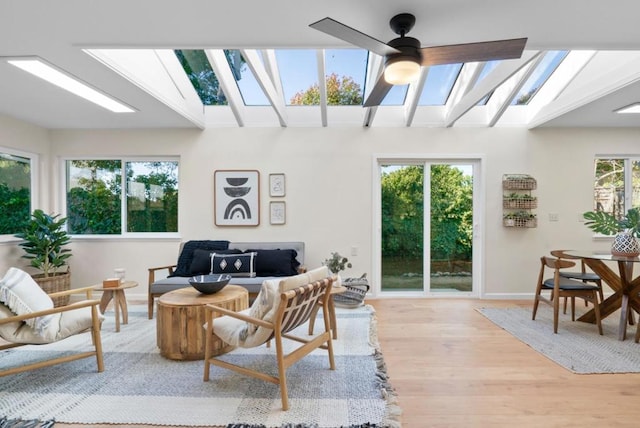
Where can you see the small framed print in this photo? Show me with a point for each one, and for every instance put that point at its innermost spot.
(278, 212)
(237, 197)
(276, 185)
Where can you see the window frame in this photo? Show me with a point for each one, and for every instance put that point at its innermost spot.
(123, 209)
(34, 191)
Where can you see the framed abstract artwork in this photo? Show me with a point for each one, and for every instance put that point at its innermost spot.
(237, 197)
(276, 185)
(277, 212)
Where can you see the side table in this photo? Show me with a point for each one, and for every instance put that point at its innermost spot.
(119, 300)
(182, 314)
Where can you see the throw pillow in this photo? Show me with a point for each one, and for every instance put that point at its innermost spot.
(234, 264)
(23, 295)
(276, 262)
(201, 264)
(186, 256)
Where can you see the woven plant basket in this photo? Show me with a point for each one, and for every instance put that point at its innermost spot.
(60, 281)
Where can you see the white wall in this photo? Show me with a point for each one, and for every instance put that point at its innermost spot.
(329, 191)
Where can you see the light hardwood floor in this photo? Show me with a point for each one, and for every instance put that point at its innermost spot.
(451, 367)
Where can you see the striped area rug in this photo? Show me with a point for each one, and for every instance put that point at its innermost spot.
(139, 386)
(577, 347)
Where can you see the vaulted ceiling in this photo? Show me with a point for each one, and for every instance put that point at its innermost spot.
(124, 49)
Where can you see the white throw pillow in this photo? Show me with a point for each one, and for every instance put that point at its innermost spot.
(24, 296)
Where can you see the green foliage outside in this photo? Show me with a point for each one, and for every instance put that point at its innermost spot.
(15, 194)
(403, 214)
(94, 203)
(340, 91)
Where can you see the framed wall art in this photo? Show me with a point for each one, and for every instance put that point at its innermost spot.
(277, 212)
(236, 197)
(276, 185)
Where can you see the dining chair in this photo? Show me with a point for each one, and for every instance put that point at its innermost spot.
(560, 287)
(580, 275)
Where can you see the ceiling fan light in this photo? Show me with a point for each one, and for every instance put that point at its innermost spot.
(402, 71)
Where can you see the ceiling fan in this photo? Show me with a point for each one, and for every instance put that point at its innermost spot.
(404, 55)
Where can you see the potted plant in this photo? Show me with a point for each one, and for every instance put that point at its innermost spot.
(337, 263)
(44, 242)
(626, 229)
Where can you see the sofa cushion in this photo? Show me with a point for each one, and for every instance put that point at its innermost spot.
(20, 293)
(186, 255)
(201, 263)
(234, 264)
(278, 262)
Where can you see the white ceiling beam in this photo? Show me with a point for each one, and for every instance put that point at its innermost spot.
(375, 66)
(468, 77)
(620, 75)
(322, 86)
(266, 83)
(221, 67)
(271, 65)
(503, 95)
(501, 73)
(413, 96)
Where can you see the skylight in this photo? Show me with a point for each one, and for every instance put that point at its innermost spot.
(547, 66)
(250, 90)
(348, 67)
(439, 83)
(202, 77)
(298, 73)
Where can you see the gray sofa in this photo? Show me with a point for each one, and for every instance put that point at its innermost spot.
(252, 284)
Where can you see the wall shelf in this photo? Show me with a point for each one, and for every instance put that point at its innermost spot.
(518, 202)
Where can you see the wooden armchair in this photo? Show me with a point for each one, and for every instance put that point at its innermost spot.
(15, 332)
(152, 278)
(293, 308)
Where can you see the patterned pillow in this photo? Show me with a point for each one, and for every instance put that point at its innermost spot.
(201, 264)
(234, 264)
(20, 293)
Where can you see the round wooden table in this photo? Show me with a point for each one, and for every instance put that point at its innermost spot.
(119, 300)
(182, 314)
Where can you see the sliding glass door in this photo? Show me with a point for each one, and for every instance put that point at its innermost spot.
(427, 226)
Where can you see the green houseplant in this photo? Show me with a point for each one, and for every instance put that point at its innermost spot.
(626, 229)
(44, 242)
(337, 263)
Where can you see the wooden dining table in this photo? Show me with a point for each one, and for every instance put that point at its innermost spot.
(626, 288)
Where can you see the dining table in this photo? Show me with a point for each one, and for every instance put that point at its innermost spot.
(626, 288)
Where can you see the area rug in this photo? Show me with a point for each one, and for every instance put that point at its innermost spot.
(577, 347)
(139, 386)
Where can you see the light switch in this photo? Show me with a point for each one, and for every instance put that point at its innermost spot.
(553, 216)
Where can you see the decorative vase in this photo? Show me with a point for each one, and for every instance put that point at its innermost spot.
(625, 244)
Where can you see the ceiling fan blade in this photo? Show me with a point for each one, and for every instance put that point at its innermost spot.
(379, 91)
(472, 52)
(353, 36)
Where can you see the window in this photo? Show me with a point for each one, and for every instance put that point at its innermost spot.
(15, 192)
(95, 196)
(616, 187)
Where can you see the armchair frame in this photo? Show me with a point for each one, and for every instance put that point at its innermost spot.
(294, 309)
(95, 332)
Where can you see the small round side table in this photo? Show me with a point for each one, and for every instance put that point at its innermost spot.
(119, 300)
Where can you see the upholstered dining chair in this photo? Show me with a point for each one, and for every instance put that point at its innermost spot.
(28, 317)
(580, 275)
(560, 287)
(280, 307)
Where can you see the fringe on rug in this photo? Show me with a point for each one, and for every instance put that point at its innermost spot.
(394, 413)
(20, 423)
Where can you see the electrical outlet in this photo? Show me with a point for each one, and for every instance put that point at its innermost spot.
(553, 216)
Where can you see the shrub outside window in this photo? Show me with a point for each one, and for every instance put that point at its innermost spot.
(15, 193)
(95, 196)
(616, 187)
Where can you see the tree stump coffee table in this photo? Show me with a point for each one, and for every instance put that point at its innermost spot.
(181, 315)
